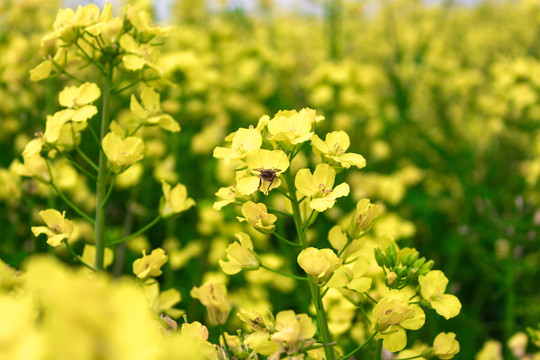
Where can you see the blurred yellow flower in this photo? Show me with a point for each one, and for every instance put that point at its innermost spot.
(122, 152)
(89, 255)
(240, 256)
(319, 186)
(150, 110)
(150, 265)
(138, 55)
(433, 285)
(214, 298)
(445, 346)
(320, 264)
(176, 200)
(258, 216)
(293, 331)
(58, 227)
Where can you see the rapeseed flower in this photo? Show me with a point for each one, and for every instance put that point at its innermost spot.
(333, 150)
(258, 216)
(176, 200)
(150, 265)
(445, 346)
(433, 285)
(214, 298)
(58, 227)
(264, 166)
(150, 110)
(240, 256)
(319, 186)
(319, 264)
(121, 153)
(244, 141)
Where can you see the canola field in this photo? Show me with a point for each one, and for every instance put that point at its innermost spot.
(327, 180)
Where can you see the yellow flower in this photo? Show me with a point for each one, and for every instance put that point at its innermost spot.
(34, 165)
(142, 21)
(290, 127)
(240, 256)
(433, 285)
(58, 227)
(348, 277)
(122, 152)
(214, 298)
(361, 221)
(319, 186)
(67, 21)
(150, 265)
(445, 346)
(265, 167)
(89, 255)
(518, 344)
(176, 200)
(77, 100)
(138, 55)
(320, 264)
(258, 216)
(244, 141)
(333, 150)
(393, 314)
(164, 301)
(491, 350)
(150, 111)
(228, 195)
(293, 331)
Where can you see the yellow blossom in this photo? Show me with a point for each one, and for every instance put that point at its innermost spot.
(393, 314)
(122, 152)
(518, 344)
(258, 216)
(333, 150)
(150, 265)
(265, 166)
(77, 100)
(58, 227)
(361, 221)
(138, 55)
(228, 195)
(433, 285)
(214, 298)
(319, 186)
(176, 200)
(244, 141)
(491, 350)
(150, 111)
(445, 346)
(320, 264)
(240, 256)
(290, 127)
(293, 331)
(89, 255)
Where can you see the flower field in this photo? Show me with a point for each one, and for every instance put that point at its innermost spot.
(324, 180)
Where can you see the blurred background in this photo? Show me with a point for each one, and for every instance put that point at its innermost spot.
(440, 97)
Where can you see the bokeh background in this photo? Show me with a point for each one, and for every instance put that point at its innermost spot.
(441, 98)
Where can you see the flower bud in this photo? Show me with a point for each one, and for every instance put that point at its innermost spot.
(364, 215)
(418, 263)
(320, 264)
(379, 257)
(390, 278)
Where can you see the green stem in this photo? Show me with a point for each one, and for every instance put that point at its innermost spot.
(359, 347)
(108, 194)
(378, 350)
(135, 234)
(284, 274)
(278, 212)
(370, 298)
(79, 167)
(77, 257)
(306, 225)
(285, 240)
(86, 158)
(101, 186)
(412, 357)
(315, 294)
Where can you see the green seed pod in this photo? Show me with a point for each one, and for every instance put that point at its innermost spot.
(418, 263)
(392, 256)
(428, 265)
(406, 260)
(414, 257)
(379, 257)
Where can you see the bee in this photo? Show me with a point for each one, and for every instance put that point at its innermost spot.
(268, 175)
